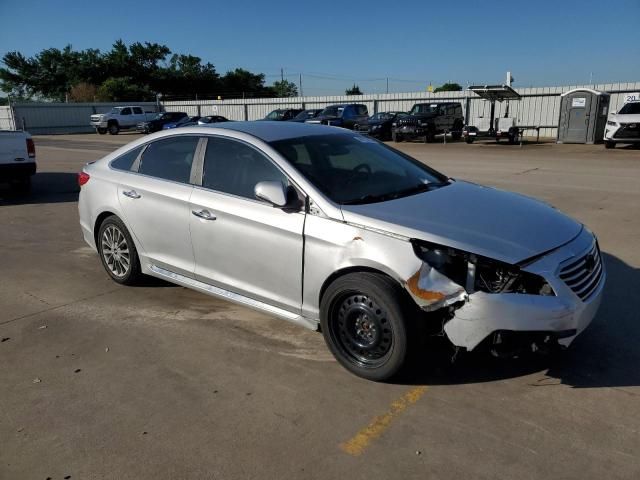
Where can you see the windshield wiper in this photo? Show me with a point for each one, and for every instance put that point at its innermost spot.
(370, 198)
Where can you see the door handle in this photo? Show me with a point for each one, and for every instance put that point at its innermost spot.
(204, 214)
(131, 194)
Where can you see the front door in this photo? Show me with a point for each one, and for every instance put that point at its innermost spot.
(578, 111)
(156, 203)
(243, 244)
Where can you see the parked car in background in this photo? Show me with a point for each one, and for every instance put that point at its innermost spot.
(17, 159)
(426, 120)
(305, 115)
(212, 119)
(183, 122)
(351, 237)
(119, 118)
(624, 126)
(283, 114)
(345, 115)
(379, 125)
(159, 121)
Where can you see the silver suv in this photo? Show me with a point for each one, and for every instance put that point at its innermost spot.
(339, 232)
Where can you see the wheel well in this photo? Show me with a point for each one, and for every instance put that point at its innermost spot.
(101, 218)
(112, 122)
(342, 272)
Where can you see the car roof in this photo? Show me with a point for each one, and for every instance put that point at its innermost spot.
(270, 131)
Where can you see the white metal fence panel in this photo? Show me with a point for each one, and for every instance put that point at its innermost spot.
(539, 107)
(6, 119)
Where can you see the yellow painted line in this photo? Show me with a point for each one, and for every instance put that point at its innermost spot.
(361, 440)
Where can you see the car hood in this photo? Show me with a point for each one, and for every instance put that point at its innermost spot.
(493, 223)
(622, 118)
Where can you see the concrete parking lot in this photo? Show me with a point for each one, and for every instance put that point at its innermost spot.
(103, 381)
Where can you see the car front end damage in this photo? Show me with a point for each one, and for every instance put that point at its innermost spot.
(544, 301)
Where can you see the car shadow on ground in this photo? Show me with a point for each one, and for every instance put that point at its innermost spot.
(46, 187)
(607, 354)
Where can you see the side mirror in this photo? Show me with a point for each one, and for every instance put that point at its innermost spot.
(271, 192)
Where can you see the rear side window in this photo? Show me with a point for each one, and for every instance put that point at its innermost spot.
(170, 159)
(137, 110)
(234, 167)
(124, 162)
(361, 109)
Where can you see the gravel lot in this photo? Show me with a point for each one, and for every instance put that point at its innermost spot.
(103, 381)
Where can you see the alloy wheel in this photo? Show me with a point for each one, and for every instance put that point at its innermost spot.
(115, 251)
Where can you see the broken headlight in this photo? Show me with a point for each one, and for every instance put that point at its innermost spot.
(478, 273)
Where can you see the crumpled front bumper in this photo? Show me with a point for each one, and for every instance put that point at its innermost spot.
(563, 316)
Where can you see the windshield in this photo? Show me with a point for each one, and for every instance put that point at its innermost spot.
(632, 108)
(275, 115)
(353, 169)
(305, 114)
(332, 112)
(424, 108)
(381, 117)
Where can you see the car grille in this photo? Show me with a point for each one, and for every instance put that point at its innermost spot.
(406, 121)
(95, 118)
(628, 130)
(583, 275)
(361, 128)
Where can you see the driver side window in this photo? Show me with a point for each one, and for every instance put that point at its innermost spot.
(233, 167)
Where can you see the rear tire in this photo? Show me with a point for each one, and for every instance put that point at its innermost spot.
(609, 144)
(118, 252)
(21, 185)
(364, 321)
(456, 133)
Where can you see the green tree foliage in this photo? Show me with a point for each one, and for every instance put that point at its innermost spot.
(355, 90)
(135, 72)
(285, 88)
(448, 87)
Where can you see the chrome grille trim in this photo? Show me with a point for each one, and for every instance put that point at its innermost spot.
(583, 275)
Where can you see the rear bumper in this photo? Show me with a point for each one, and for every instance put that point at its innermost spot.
(10, 171)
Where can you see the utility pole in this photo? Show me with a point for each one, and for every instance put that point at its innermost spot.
(387, 84)
(300, 86)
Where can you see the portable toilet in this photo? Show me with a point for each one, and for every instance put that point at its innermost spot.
(583, 116)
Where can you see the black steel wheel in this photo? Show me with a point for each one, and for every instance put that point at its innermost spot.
(364, 323)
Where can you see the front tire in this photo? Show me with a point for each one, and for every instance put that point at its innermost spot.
(396, 137)
(113, 128)
(118, 252)
(430, 137)
(101, 131)
(609, 144)
(364, 321)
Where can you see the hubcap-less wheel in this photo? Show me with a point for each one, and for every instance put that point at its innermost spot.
(115, 251)
(361, 330)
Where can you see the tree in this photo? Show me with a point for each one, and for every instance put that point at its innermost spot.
(121, 89)
(241, 82)
(448, 87)
(355, 90)
(285, 88)
(83, 92)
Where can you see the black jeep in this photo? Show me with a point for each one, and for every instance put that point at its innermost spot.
(427, 120)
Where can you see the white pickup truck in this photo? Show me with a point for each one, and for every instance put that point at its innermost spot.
(119, 118)
(17, 159)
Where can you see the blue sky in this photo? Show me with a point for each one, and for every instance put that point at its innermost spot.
(336, 43)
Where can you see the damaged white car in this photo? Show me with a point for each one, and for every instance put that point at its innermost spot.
(339, 232)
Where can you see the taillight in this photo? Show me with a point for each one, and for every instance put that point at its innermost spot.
(31, 148)
(83, 178)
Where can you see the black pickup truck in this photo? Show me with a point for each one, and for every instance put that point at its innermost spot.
(426, 120)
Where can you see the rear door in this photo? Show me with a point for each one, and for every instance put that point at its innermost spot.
(155, 202)
(243, 244)
(138, 116)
